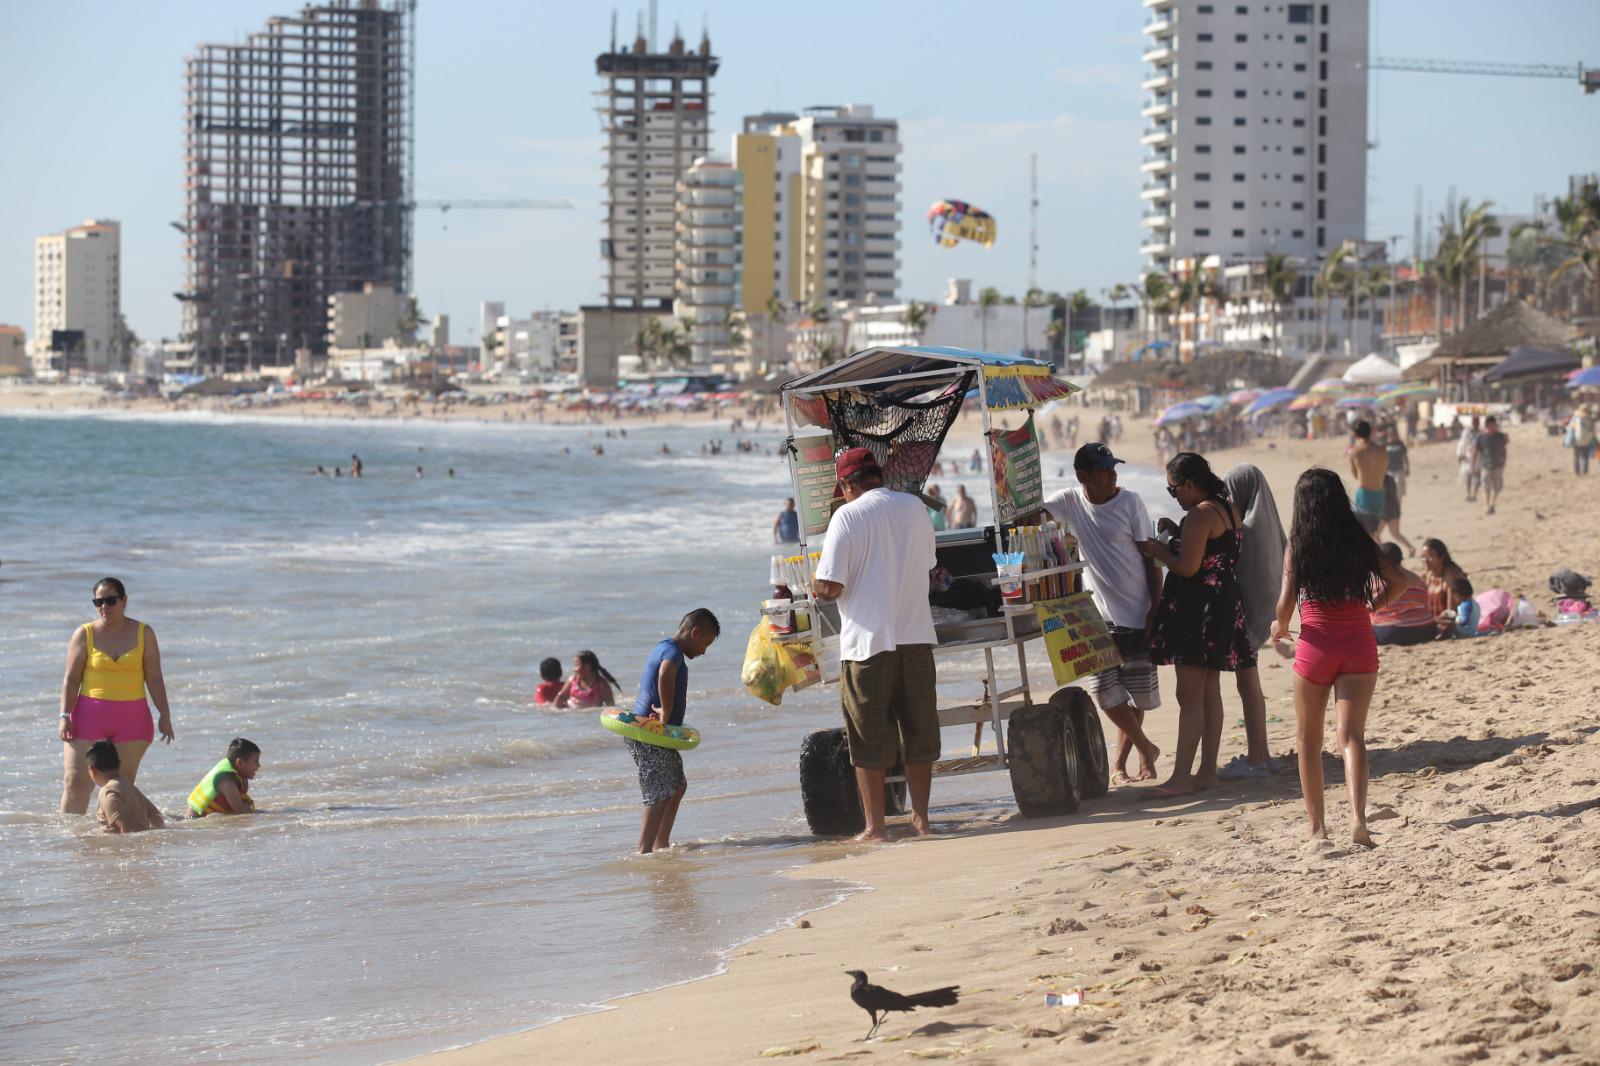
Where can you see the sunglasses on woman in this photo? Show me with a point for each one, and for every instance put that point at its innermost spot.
(1172, 490)
(105, 601)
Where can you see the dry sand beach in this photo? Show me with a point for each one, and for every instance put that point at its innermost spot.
(1208, 930)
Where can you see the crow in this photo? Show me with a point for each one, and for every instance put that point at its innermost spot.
(876, 1000)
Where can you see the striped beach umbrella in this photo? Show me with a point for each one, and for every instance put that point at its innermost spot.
(1243, 396)
(1311, 399)
(1270, 399)
(1329, 386)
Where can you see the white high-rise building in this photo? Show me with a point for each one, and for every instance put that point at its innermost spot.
(655, 110)
(708, 256)
(1257, 129)
(849, 209)
(77, 286)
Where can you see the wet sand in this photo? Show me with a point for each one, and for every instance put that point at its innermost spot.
(1207, 929)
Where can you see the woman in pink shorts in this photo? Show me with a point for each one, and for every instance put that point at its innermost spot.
(1333, 570)
(110, 663)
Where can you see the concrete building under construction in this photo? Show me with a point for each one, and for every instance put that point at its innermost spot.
(297, 177)
(655, 110)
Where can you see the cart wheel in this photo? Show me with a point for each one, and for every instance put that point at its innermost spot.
(828, 785)
(1080, 711)
(1042, 749)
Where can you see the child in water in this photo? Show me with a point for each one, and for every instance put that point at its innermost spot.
(663, 688)
(549, 683)
(122, 807)
(226, 788)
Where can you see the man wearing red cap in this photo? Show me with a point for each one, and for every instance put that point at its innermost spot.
(875, 562)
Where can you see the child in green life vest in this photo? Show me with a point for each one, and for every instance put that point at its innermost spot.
(226, 788)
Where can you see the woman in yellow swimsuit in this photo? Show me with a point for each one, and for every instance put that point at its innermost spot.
(110, 663)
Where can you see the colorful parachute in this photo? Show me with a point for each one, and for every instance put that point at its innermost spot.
(956, 220)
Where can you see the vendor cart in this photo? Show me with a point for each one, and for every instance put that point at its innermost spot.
(900, 403)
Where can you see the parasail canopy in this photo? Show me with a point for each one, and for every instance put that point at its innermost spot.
(951, 221)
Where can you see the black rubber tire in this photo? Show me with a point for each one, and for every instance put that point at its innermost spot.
(1092, 755)
(1042, 753)
(828, 787)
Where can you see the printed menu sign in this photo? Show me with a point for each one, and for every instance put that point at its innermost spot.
(814, 480)
(1014, 465)
(1076, 637)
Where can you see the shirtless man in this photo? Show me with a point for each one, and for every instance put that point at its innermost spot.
(963, 511)
(1368, 463)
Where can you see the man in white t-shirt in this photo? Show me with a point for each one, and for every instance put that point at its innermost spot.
(875, 563)
(1109, 523)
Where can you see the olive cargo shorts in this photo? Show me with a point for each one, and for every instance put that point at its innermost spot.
(892, 692)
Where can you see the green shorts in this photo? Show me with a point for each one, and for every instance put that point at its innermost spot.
(891, 706)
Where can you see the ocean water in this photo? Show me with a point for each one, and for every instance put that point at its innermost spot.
(437, 861)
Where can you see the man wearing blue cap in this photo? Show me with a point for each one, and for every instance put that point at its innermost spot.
(1109, 523)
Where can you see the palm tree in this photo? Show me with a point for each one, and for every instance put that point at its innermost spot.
(777, 313)
(1078, 307)
(649, 340)
(915, 318)
(1578, 237)
(1155, 297)
(410, 318)
(829, 351)
(1328, 284)
(734, 320)
(1279, 279)
(986, 299)
(1054, 331)
(1187, 294)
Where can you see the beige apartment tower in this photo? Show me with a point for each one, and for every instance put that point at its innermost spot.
(77, 299)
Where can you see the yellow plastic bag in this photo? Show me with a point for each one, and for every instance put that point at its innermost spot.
(771, 668)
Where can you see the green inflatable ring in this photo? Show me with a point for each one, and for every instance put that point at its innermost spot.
(621, 722)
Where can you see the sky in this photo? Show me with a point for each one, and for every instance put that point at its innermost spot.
(93, 127)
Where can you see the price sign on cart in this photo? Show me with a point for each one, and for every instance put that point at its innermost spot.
(1076, 637)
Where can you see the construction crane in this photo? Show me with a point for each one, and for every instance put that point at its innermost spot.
(444, 207)
(1588, 80)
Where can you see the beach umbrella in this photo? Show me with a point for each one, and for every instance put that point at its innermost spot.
(1357, 401)
(1270, 399)
(1587, 378)
(1309, 400)
(1527, 362)
(1373, 370)
(1329, 386)
(1241, 397)
(1180, 411)
(1211, 403)
(1417, 391)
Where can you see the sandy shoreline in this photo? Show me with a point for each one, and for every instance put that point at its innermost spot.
(1205, 929)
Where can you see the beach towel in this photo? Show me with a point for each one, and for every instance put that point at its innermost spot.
(1260, 569)
(1494, 610)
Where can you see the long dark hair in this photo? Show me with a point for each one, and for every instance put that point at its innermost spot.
(1192, 466)
(592, 661)
(1334, 558)
(1436, 546)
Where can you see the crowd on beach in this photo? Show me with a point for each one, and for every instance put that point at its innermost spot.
(1206, 596)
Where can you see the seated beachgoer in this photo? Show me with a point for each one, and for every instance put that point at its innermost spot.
(1439, 571)
(226, 787)
(591, 685)
(122, 807)
(1462, 621)
(1407, 619)
(549, 686)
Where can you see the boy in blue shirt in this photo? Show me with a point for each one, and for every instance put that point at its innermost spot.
(663, 688)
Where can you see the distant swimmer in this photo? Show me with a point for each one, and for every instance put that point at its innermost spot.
(599, 449)
(550, 683)
(122, 807)
(320, 472)
(419, 471)
(111, 661)
(355, 466)
(786, 527)
(665, 450)
(226, 787)
(450, 472)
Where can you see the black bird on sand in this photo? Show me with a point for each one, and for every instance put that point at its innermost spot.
(876, 1000)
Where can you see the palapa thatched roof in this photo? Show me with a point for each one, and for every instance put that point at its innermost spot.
(1511, 325)
(1215, 371)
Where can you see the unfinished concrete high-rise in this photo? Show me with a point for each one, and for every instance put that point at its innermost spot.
(298, 177)
(655, 110)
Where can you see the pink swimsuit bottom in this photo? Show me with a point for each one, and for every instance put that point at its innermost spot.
(1335, 638)
(119, 721)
